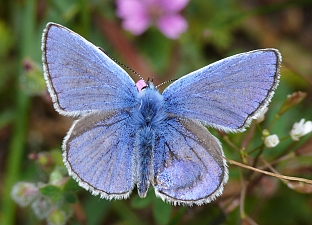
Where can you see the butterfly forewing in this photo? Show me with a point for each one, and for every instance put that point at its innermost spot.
(229, 93)
(80, 77)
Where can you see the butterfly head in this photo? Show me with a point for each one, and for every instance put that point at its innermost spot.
(141, 85)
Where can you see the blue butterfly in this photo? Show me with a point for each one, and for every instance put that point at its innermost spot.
(129, 136)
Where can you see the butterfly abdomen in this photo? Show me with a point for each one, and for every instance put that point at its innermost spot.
(145, 140)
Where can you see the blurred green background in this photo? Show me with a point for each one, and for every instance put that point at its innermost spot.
(31, 132)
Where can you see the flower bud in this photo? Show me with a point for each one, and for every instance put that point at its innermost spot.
(23, 193)
(57, 217)
(41, 207)
(271, 141)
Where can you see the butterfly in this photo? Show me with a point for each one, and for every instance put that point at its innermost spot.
(129, 135)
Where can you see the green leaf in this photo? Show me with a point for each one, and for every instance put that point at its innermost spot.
(97, 210)
(71, 185)
(70, 197)
(54, 192)
(162, 211)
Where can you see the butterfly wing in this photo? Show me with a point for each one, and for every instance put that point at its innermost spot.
(98, 152)
(229, 93)
(80, 77)
(189, 167)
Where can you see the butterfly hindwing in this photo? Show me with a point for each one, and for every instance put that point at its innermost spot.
(99, 154)
(80, 77)
(229, 93)
(189, 167)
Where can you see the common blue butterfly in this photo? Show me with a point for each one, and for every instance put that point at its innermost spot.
(127, 136)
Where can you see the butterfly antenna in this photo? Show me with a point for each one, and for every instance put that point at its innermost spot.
(121, 64)
(168, 81)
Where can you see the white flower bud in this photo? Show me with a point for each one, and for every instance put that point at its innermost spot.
(271, 141)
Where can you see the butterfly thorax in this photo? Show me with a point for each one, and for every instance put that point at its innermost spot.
(150, 107)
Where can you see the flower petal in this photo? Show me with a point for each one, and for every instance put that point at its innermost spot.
(134, 14)
(136, 25)
(173, 5)
(172, 25)
(307, 128)
(130, 8)
(300, 129)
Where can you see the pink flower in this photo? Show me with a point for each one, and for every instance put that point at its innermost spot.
(138, 15)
